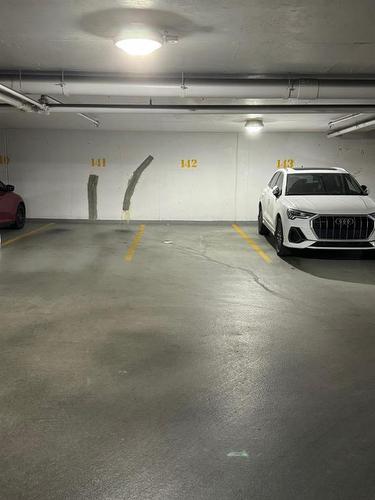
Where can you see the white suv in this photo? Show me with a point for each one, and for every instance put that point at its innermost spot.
(323, 208)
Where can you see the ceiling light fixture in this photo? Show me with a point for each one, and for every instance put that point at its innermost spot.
(254, 126)
(138, 40)
(138, 46)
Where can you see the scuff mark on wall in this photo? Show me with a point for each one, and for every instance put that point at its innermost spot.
(131, 186)
(92, 196)
(4, 158)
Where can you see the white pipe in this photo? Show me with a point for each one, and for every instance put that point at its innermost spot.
(96, 123)
(194, 87)
(352, 128)
(15, 103)
(209, 109)
(133, 88)
(213, 109)
(332, 123)
(19, 100)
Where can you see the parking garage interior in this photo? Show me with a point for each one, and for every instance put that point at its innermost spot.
(153, 344)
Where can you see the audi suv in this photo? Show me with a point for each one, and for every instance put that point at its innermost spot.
(317, 208)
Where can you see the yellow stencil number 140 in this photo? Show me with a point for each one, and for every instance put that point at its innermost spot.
(189, 163)
(4, 160)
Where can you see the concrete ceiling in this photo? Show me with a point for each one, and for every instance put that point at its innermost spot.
(216, 36)
(296, 37)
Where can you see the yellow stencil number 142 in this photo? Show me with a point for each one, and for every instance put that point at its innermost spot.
(189, 163)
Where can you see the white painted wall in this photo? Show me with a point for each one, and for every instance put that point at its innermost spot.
(50, 168)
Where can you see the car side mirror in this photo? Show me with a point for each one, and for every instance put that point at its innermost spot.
(276, 191)
(9, 188)
(364, 189)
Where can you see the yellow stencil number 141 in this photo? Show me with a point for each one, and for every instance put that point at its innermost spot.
(98, 162)
(189, 163)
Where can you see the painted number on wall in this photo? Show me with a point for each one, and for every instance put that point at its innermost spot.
(4, 160)
(189, 163)
(98, 162)
(285, 163)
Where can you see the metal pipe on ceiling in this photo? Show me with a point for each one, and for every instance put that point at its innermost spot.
(211, 109)
(207, 109)
(332, 123)
(96, 123)
(23, 74)
(352, 128)
(75, 83)
(19, 100)
(11, 101)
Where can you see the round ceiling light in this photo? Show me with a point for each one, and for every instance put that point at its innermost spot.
(139, 40)
(138, 46)
(254, 126)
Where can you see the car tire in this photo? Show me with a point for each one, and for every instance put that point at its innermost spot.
(262, 229)
(20, 217)
(281, 249)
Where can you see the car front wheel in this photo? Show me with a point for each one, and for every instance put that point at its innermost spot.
(281, 249)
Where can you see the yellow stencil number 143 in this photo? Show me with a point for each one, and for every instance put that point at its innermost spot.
(189, 163)
(285, 164)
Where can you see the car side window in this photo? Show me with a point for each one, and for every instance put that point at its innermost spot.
(274, 179)
(352, 185)
(279, 182)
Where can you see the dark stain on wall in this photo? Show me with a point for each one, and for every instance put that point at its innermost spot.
(92, 196)
(133, 182)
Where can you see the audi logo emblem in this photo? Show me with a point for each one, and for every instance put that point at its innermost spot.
(344, 221)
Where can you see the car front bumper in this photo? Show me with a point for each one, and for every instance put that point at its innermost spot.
(309, 239)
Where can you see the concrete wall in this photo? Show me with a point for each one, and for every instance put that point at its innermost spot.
(50, 169)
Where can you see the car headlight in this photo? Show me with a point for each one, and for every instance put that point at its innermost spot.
(372, 215)
(299, 214)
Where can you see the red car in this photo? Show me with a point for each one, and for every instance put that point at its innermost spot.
(12, 207)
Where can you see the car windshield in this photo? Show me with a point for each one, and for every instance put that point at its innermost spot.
(322, 184)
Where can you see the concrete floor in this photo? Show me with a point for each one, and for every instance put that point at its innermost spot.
(195, 371)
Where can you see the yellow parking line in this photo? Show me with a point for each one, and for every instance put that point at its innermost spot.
(252, 243)
(133, 245)
(26, 235)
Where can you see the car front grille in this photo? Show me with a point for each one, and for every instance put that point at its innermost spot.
(343, 227)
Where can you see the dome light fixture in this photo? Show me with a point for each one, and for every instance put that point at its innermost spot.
(254, 126)
(139, 40)
(138, 46)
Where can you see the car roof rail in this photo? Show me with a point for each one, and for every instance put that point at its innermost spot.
(337, 169)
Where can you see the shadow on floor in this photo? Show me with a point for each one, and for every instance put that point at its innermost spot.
(58, 230)
(352, 266)
(125, 230)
